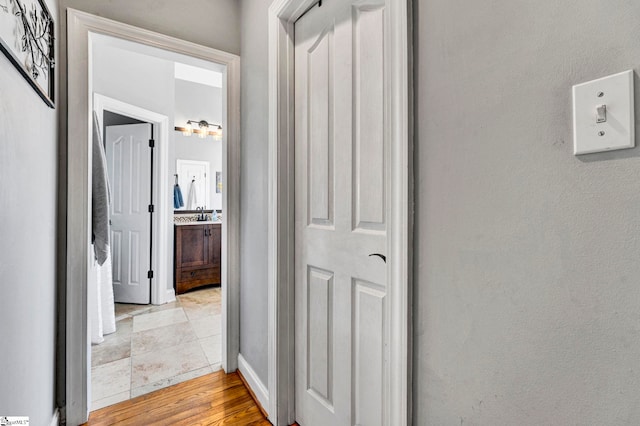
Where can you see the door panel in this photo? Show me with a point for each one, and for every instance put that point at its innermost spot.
(368, 356)
(320, 337)
(320, 137)
(368, 97)
(134, 257)
(341, 205)
(129, 167)
(116, 256)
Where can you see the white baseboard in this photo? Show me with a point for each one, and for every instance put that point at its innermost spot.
(170, 296)
(258, 388)
(55, 420)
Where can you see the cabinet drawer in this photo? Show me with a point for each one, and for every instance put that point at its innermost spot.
(208, 275)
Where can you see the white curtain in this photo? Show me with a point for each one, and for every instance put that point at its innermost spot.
(101, 305)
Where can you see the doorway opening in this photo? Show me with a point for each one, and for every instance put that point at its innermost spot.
(145, 343)
(87, 35)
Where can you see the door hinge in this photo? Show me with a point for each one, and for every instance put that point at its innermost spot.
(150, 208)
(152, 143)
(150, 274)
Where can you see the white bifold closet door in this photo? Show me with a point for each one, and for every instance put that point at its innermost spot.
(341, 214)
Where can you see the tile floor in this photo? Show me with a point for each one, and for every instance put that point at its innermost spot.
(157, 346)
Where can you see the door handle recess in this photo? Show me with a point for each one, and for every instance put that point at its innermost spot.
(381, 256)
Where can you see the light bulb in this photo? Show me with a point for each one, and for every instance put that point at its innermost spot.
(217, 133)
(188, 130)
(204, 129)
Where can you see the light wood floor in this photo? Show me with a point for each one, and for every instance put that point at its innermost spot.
(214, 399)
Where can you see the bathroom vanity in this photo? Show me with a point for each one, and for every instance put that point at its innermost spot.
(197, 255)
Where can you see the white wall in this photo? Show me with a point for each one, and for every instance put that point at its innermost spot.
(28, 172)
(195, 101)
(253, 187)
(526, 257)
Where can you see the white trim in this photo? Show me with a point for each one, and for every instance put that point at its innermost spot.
(162, 270)
(282, 15)
(401, 217)
(80, 26)
(254, 382)
(55, 420)
(280, 261)
(170, 296)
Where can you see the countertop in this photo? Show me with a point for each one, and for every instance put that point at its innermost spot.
(202, 222)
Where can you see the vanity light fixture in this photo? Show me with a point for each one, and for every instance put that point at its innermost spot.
(204, 129)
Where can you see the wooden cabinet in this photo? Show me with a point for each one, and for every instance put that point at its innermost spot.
(197, 256)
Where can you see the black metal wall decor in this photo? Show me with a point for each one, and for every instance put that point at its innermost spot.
(27, 39)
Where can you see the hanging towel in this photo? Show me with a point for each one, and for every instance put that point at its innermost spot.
(99, 197)
(192, 200)
(177, 197)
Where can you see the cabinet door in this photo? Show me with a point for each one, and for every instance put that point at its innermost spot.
(193, 246)
(215, 245)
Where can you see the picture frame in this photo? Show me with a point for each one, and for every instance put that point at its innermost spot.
(218, 182)
(27, 39)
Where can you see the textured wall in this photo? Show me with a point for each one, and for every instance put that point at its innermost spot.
(254, 186)
(28, 171)
(212, 23)
(526, 287)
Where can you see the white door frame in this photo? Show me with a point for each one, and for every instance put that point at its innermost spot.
(162, 271)
(80, 28)
(281, 278)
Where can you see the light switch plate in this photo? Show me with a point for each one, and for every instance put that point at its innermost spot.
(618, 131)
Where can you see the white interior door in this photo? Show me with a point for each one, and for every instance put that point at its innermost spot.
(341, 214)
(129, 165)
(193, 173)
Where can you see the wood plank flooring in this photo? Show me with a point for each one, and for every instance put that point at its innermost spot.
(214, 399)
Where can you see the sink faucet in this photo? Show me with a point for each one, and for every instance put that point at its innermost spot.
(201, 215)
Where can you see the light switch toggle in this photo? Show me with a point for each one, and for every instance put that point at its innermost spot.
(601, 113)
